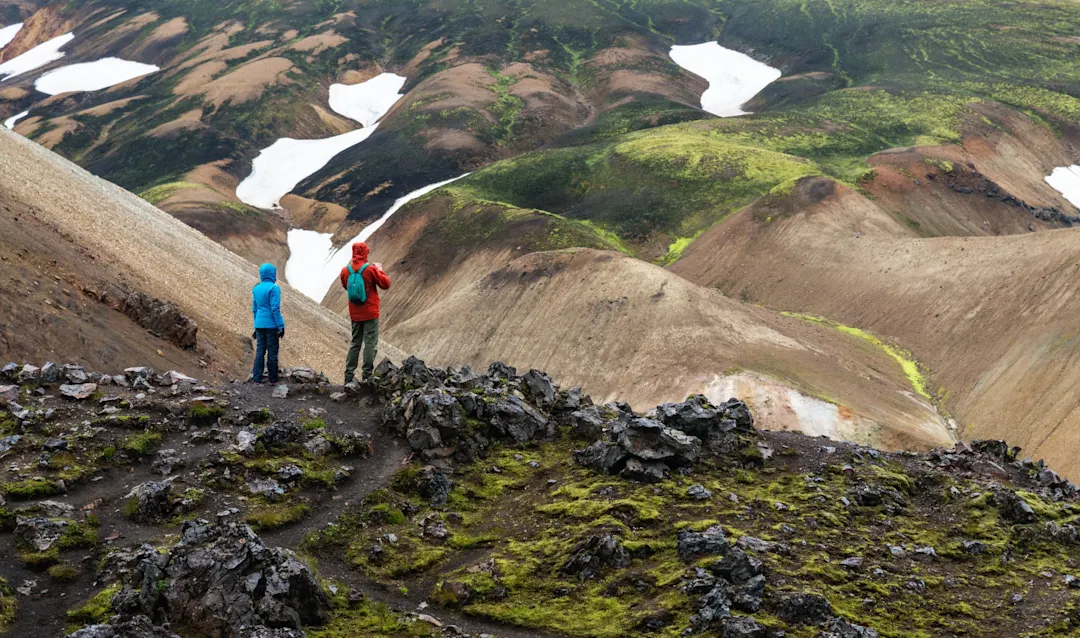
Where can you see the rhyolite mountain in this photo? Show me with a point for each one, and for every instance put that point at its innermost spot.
(883, 208)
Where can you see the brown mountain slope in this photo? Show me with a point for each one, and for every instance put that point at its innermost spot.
(993, 318)
(630, 331)
(154, 252)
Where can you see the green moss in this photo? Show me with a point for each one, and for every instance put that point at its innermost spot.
(264, 415)
(97, 610)
(141, 444)
(201, 414)
(370, 619)
(274, 516)
(78, 536)
(160, 193)
(911, 368)
(35, 487)
(63, 572)
(41, 560)
(9, 606)
(314, 424)
(384, 512)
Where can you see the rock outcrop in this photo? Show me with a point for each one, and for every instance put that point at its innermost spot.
(222, 581)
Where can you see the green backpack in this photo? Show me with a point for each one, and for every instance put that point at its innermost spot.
(357, 289)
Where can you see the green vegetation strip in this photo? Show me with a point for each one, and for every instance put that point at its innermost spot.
(911, 367)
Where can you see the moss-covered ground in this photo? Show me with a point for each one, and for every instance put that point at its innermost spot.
(514, 519)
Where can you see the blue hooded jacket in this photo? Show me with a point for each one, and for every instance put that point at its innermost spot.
(266, 300)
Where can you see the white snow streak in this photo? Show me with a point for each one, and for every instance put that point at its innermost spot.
(92, 76)
(11, 121)
(287, 162)
(35, 58)
(8, 33)
(734, 77)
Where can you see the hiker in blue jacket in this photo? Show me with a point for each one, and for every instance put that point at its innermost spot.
(269, 324)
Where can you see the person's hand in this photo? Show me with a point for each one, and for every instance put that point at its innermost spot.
(281, 334)
(378, 265)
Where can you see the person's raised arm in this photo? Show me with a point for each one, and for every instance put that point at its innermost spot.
(382, 280)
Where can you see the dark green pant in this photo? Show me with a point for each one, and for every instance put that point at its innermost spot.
(365, 334)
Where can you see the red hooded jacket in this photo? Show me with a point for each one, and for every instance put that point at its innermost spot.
(374, 278)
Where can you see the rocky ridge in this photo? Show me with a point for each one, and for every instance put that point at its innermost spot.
(477, 438)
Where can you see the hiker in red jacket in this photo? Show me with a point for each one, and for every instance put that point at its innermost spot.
(362, 281)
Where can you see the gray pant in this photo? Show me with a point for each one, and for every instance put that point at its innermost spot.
(365, 335)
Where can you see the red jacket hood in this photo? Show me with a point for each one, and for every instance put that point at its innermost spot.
(359, 254)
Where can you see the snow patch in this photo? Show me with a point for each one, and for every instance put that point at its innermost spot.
(1066, 180)
(8, 33)
(35, 58)
(10, 122)
(92, 76)
(306, 269)
(368, 101)
(314, 265)
(287, 162)
(734, 77)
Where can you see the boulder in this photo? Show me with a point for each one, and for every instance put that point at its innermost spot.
(841, 628)
(743, 627)
(695, 416)
(650, 440)
(698, 492)
(515, 419)
(644, 471)
(38, 533)
(694, 544)
(750, 595)
(9, 394)
(149, 502)
(712, 607)
(1013, 508)
(124, 627)
(78, 392)
(737, 567)
(595, 553)
(500, 370)
(74, 374)
(50, 373)
(804, 609)
(587, 422)
(280, 435)
(222, 581)
(10, 371)
(29, 374)
(165, 461)
(138, 372)
(541, 389)
(172, 377)
(602, 456)
(435, 485)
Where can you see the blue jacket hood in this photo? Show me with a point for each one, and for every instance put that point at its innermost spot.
(268, 272)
